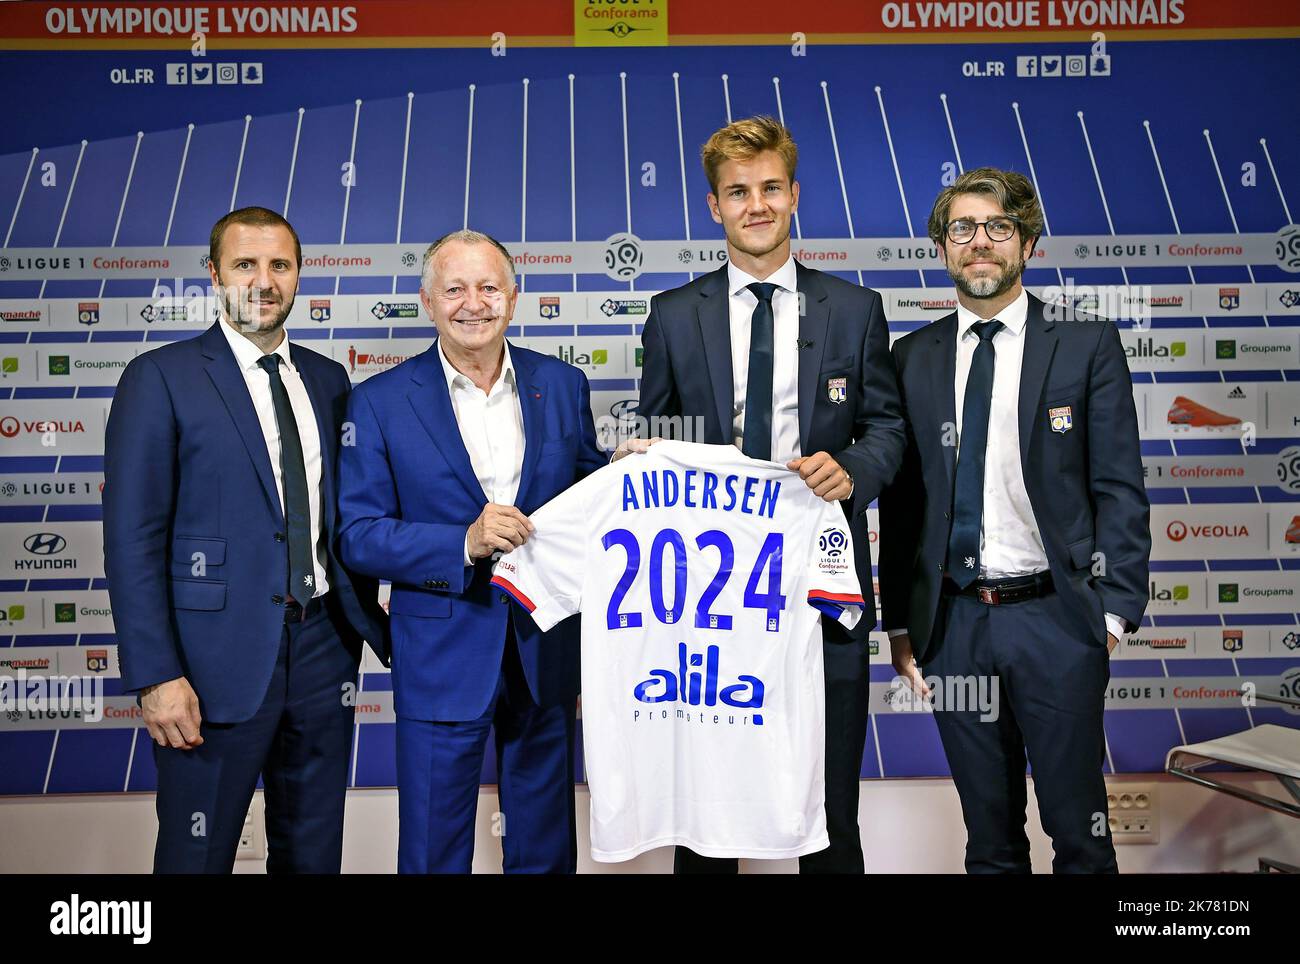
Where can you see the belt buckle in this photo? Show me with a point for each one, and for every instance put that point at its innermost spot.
(988, 595)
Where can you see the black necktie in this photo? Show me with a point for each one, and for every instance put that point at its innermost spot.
(968, 492)
(757, 439)
(293, 474)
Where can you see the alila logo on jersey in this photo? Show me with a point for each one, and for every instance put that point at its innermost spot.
(699, 687)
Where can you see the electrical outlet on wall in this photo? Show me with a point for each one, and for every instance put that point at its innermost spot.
(252, 839)
(1134, 815)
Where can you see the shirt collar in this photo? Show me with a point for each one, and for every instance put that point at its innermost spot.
(457, 379)
(247, 354)
(1013, 316)
(784, 277)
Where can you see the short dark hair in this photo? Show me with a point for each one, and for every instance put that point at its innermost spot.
(254, 217)
(1013, 191)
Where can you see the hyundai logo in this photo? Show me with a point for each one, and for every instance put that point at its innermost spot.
(624, 409)
(45, 544)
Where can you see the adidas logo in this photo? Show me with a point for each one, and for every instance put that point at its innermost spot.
(1237, 393)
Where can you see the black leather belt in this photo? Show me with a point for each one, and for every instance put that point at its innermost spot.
(295, 612)
(1000, 592)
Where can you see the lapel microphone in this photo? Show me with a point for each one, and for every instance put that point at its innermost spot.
(800, 344)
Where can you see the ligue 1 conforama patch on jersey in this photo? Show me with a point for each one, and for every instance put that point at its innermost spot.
(837, 390)
(1061, 419)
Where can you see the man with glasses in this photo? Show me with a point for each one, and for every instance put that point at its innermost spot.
(1014, 541)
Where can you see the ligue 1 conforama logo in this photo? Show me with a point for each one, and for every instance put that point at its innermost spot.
(1288, 468)
(1286, 248)
(623, 256)
(833, 542)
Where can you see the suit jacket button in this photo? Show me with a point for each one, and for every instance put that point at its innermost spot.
(279, 537)
(504, 599)
(940, 567)
(430, 584)
(445, 584)
(947, 515)
(277, 599)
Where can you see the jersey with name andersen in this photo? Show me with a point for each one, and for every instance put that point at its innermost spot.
(701, 576)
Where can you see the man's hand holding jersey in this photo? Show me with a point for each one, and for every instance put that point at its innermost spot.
(499, 528)
(827, 478)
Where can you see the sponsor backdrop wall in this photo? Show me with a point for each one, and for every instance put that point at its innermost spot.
(1162, 134)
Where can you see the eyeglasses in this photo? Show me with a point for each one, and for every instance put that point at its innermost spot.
(962, 231)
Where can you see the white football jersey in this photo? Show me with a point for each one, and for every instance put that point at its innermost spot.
(701, 576)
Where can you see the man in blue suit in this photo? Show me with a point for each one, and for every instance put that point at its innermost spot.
(236, 622)
(1014, 542)
(453, 449)
(792, 366)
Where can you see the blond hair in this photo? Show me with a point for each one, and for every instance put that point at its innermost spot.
(743, 140)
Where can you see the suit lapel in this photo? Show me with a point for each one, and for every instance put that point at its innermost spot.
(531, 403)
(714, 318)
(944, 360)
(1040, 344)
(319, 397)
(814, 319)
(431, 401)
(223, 369)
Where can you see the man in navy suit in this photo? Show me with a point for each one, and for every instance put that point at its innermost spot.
(791, 365)
(1014, 542)
(236, 622)
(453, 449)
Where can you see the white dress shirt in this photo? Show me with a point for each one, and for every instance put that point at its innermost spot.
(258, 381)
(1010, 542)
(785, 355)
(492, 427)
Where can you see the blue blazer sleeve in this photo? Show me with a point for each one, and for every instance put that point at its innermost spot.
(139, 498)
(373, 538)
(874, 459)
(902, 508)
(1122, 512)
(590, 457)
(659, 398)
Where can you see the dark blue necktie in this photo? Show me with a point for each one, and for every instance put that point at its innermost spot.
(293, 474)
(968, 492)
(757, 439)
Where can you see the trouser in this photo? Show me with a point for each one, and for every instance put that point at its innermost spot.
(299, 740)
(1050, 681)
(438, 775)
